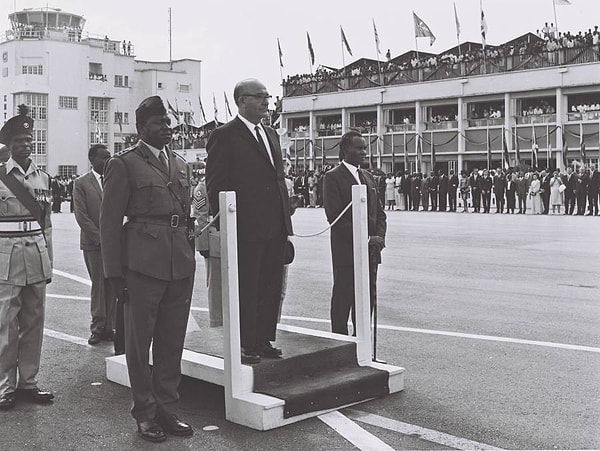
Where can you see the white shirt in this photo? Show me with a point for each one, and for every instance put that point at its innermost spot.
(156, 151)
(353, 170)
(262, 132)
(98, 179)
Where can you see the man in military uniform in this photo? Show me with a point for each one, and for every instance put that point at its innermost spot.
(150, 263)
(25, 265)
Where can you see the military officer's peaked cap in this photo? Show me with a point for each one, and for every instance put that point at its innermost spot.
(21, 124)
(152, 106)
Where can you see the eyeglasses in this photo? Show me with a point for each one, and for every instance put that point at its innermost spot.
(259, 96)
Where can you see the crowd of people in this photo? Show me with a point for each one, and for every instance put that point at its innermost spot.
(548, 43)
(509, 191)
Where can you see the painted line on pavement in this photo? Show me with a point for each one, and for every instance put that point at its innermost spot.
(82, 280)
(440, 438)
(62, 296)
(548, 344)
(66, 337)
(352, 432)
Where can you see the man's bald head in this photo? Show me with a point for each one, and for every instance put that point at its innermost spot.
(252, 99)
(247, 86)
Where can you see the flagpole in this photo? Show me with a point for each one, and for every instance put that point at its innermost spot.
(343, 56)
(555, 19)
(503, 141)
(416, 43)
(457, 30)
(377, 52)
(548, 149)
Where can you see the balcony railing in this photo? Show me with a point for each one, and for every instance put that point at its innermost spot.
(584, 116)
(337, 131)
(394, 75)
(97, 77)
(536, 119)
(391, 128)
(444, 125)
(489, 122)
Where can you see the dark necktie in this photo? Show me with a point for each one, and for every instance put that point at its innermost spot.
(261, 143)
(101, 181)
(361, 177)
(163, 159)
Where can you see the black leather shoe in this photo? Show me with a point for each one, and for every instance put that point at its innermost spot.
(151, 431)
(108, 336)
(34, 395)
(250, 357)
(7, 401)
(94, 339)
(173, 425)
(270, 351)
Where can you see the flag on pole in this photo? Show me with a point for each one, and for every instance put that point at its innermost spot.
(173, 111)
(422, 30)
(280, 53)
(376, 38)
(345, 41)
(432, 153)
(534, 148)
(216, 110)
(310, 49)
(582, 144)
(505, 149)
(405, 156)
(120, 120)
(489, 150)
(562, 2)
(565, 149)
(419, 162)
(202, 111)
(98, 133)
(227, 103)
(484, 27)
(517, 147)
(456, 21)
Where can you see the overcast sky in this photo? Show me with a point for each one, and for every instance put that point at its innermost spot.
(237, 39)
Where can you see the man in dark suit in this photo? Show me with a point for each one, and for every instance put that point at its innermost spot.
(511, 189)
(593, 188)
(337, 194)
(522, 190)
(87, 197)
(474, 184)
(485, 186)
(405, 184)
(499, 188)
(443, 190)
(452, 190)
(244, 156)
(570, 182)
(433, 190)
(545, 190)
(150, 262)
(415, 191)
(581, 191)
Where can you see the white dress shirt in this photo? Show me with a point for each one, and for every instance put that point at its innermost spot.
(262, 132)
(353, 170)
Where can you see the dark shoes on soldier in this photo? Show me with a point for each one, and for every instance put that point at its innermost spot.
(94, 339)
(151, 431)
(34, 395)
(249, 357)
(7, 401)
(173, 425)
(269, 351)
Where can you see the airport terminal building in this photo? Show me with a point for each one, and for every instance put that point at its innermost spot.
(452, 113)
(82, 88)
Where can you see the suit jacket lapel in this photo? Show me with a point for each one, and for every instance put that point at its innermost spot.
(249, 136)
(95, 183)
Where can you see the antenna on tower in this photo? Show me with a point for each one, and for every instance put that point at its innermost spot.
(170, 43)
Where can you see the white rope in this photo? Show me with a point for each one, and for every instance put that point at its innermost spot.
(208, 225)
(310, 235)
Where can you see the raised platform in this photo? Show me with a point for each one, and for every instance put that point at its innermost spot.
(318, 373)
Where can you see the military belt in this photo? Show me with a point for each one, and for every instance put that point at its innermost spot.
(172, 221)
(20, 226)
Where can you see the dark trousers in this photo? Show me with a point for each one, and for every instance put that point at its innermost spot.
(522, 202)
(102, 306)
(442, 199)
(581, 202)
(569, 202)
(452, 200)
(433, 195)
(545, 202)
(56, 205)
(593, 202)
(407, 201)
(416, 200)
(499, 203)
(156, 312)
(260, 267)
(510, 201)
(119, 338)
(476, 201)
(486, 197)
(342, 298)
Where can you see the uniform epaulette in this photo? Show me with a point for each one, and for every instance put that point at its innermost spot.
(179, 156)
(124, 151)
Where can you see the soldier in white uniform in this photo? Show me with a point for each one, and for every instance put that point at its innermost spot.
(25, 265)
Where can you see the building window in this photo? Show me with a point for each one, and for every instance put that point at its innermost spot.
(67, 103)
(35, 69)
(67, 170)
(39, 142)
(98, 123)
(184, 88)
(330, 125)
(5, 71)
(121, 118)
(37, 104)
(122, 81)
(160, 85)
(364, 122)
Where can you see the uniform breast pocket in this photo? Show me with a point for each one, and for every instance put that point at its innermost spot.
(149, 193)
(7, 203)
(5, 254)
